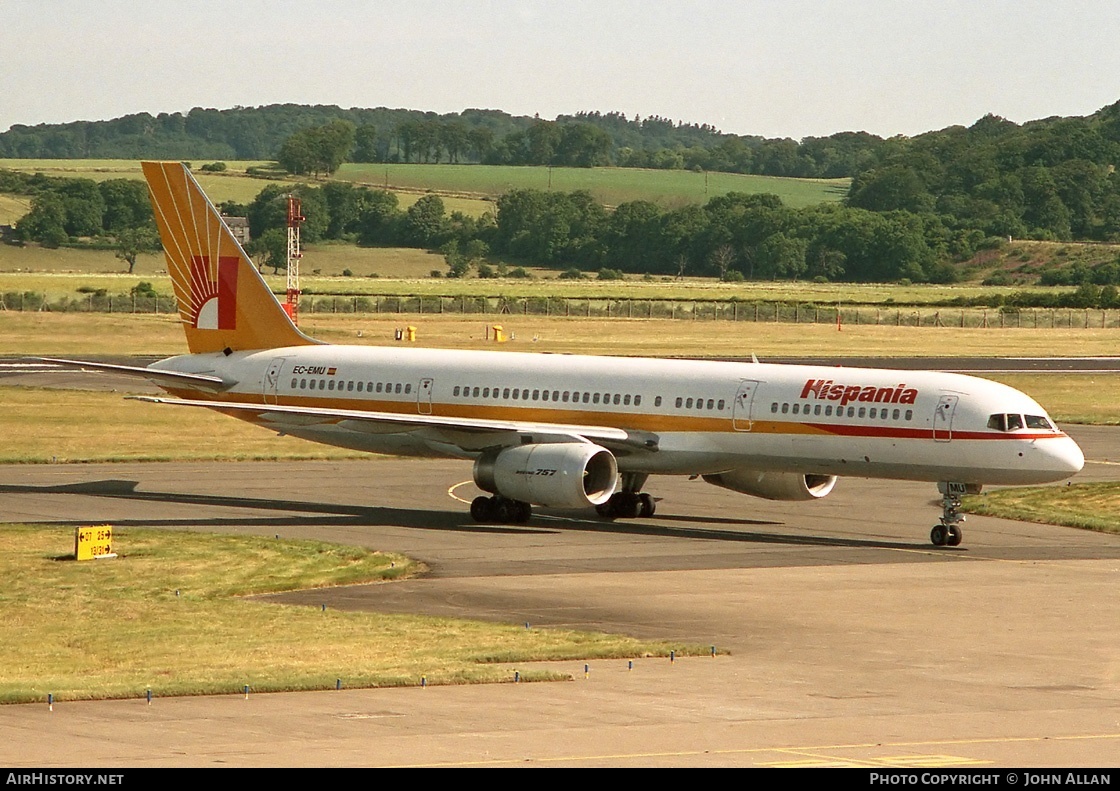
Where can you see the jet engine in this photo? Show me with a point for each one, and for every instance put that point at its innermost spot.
(774, 485)
(555, 475)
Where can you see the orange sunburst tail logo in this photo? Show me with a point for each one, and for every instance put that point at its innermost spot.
(223, 301)
(218, 309)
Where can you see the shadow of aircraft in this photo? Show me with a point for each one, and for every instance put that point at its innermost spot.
(309, 514)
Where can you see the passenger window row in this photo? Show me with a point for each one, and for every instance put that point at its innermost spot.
(561, 396)
(826, 410)
(700, 403)
(349, 386)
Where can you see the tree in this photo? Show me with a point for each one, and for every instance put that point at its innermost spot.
(424, 221)
(46, 222)
(270, 249)
(890, 188)
(722, 258)
(133, 241)
(781, 257)
(366, 144)
(126, 204)
(583, 146)
(319, 150)
(377, 218)
(460, 259)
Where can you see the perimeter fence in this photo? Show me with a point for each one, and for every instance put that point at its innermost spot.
(609, 308)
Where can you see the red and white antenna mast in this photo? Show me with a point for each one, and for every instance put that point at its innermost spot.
(295, 219)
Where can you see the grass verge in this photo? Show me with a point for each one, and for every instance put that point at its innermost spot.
(48, 425)
(1091, 506)
(168, 615)
(75, 334)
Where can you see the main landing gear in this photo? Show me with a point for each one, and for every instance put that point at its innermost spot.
(500, 510)
(631, 502)
(948, 531)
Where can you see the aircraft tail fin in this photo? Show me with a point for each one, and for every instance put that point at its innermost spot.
(223, 301)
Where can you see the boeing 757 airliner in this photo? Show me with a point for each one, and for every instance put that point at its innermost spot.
(561, 431)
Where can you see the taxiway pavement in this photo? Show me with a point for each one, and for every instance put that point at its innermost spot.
(850, 639)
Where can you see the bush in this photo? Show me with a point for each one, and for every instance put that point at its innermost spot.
(997, 278)
(214, 167)
(611, 274)
(571, 274)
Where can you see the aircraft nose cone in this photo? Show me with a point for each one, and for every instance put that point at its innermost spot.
(1066, 456)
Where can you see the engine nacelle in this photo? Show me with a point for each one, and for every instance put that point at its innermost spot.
(774, 485)
(556, 475)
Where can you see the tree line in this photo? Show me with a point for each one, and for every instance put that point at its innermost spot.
(473, 135)
(733, 237)
(1053, 178)
(115, 213)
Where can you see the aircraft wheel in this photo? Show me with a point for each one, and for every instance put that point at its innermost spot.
(523, 512)
(648, 507)
(481, 510)
(606, 510)
(939, 535)
(955, 536)
(629, 506)
(505, 511)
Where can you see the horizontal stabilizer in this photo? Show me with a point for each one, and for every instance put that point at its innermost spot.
(172, 378)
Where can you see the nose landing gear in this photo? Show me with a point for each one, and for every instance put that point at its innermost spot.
(948, 531)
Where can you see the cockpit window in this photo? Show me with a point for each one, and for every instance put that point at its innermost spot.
(1038, 421)
(1011, 422)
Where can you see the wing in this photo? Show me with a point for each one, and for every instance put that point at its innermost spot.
(467, 434)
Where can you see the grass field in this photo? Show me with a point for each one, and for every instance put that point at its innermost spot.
(470, 188)
(55, 334)
(168, 615)
(407, 271)
(1090, 506)
(234, 184)
(610, 186)
(58, 426)
(12, 207)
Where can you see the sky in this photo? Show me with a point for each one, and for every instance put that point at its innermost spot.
(775, 68)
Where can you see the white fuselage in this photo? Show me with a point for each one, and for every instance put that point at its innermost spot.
(707, 417)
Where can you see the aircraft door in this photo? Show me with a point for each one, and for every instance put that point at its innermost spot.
(943, 418)
(424, 397)
(270, 385)
(742, 406)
